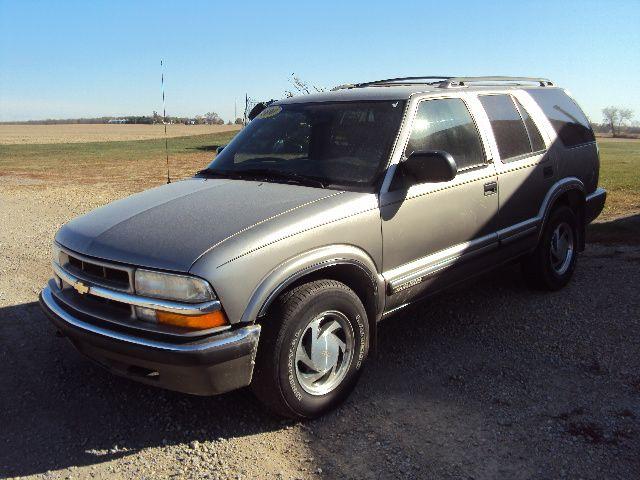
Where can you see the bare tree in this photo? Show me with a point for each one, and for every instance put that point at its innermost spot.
(212, 118)
(249, 103)
(301, 87)
(616, 118)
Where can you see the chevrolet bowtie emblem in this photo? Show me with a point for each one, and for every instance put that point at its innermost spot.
(81, 288)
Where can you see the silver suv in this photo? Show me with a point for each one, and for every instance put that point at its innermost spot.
(273, 266)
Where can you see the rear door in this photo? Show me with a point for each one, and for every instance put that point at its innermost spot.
(525, 169)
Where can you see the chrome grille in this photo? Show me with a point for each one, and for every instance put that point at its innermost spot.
(97, 272)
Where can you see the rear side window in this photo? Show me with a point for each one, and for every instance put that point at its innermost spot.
(445, 124)
(537, 144)
(509, 130)
(569, 122)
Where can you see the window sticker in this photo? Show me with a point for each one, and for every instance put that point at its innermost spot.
(269, 112)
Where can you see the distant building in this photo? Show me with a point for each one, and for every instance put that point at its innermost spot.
(118, 120)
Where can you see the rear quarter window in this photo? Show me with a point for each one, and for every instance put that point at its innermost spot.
(508, 128)
(568, 120)
(537, 143)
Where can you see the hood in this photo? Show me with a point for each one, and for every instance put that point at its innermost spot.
(169, 227)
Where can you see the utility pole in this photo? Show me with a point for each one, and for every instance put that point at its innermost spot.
(246, 104)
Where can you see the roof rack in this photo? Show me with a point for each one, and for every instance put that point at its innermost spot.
(444, 81)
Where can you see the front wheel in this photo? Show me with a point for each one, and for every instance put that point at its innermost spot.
(312, 347)
(551, 265)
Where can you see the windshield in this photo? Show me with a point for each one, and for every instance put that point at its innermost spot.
(326, 144)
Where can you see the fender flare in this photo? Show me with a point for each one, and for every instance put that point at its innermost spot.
(276, 281)
(559, 188)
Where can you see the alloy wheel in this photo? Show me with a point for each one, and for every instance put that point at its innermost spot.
(324, 352)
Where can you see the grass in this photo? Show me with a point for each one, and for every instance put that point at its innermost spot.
(141, 161)
(137, 165)
(620, 176)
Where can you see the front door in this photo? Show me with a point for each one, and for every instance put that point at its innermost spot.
(434, 233)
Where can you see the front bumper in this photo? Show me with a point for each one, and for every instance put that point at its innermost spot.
(207, 366)
(594, 204)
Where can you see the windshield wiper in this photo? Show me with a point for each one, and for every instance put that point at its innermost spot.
(266, 173)
(210, 172)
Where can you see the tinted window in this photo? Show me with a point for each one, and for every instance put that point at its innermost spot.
(343, 143)
(508, 128)
(535, 138)
(567, 119)
(446, 125)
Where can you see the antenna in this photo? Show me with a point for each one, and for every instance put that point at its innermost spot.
(164, 118)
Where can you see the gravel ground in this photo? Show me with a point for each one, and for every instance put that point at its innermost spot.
(490, 380)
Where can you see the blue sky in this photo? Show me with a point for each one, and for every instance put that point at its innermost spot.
(71, 59)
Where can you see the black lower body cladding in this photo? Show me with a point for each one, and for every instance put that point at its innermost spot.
(213, 365)
(594, 204)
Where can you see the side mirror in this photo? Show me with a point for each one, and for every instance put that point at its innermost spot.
(219, 149)
(430, 166)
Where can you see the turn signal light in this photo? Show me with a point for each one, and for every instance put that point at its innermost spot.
(200, 322)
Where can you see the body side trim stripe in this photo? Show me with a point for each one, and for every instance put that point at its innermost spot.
(436, 261)
(416, 271)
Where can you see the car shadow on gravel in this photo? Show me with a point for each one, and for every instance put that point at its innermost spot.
(494, 380)
(489, 380)
(625, 229)
(58, 410)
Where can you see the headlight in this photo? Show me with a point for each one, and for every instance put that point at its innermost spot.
(170, 286)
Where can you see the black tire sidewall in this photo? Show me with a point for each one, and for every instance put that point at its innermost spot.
(346, 302)
(553, 279)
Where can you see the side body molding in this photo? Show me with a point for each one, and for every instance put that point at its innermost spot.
(297, 267)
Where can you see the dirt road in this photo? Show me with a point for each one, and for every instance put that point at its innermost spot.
(487, 381)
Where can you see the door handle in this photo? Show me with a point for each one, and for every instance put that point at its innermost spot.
(490, 188)
(547, 171)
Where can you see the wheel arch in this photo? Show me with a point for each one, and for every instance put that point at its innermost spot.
(345, 263)
(569, 191)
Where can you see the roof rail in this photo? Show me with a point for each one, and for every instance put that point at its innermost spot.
(396, 81)
(445, 81)
(461, 81)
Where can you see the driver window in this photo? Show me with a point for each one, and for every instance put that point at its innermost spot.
(445, 124)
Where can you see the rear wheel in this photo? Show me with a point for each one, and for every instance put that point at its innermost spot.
(551, 265)
(311, 350)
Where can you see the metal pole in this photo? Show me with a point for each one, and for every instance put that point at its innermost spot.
(164, 119)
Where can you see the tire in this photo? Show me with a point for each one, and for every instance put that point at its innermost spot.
(551, 265)
(284, 380)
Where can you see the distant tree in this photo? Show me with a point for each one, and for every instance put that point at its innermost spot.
(156, 118)
(212, 118)
(616, 118)
(229, 122)
(238, 121)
